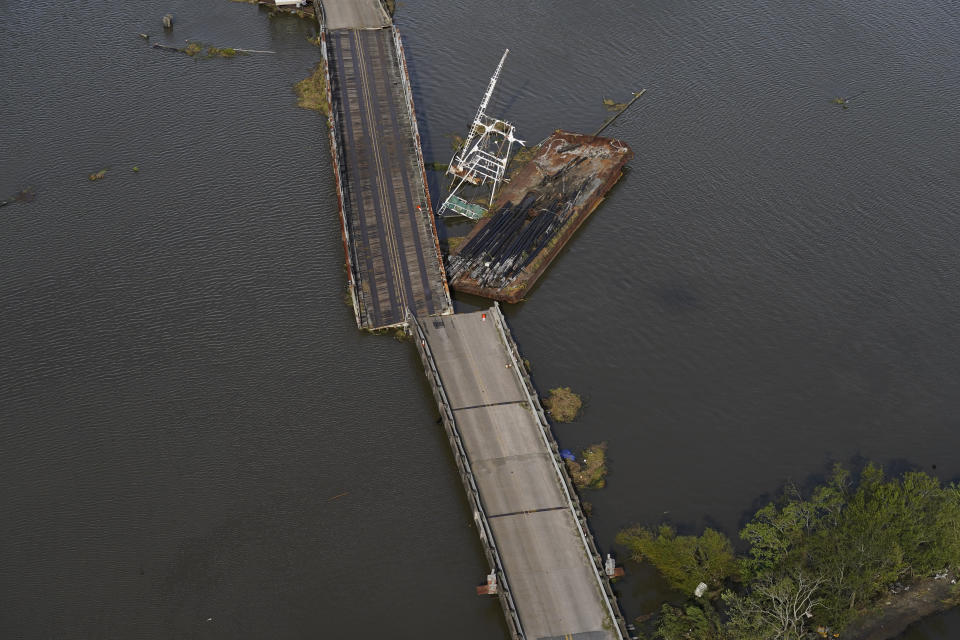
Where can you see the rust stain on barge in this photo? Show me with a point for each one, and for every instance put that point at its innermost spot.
(571, 171)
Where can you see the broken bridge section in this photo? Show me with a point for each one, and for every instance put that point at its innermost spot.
(390, 237)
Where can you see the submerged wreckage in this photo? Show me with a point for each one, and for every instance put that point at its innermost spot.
(482, 158)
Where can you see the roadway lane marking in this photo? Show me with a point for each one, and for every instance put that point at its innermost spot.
(489, 404)
(527, 512)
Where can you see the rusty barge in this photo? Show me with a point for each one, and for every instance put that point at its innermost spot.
(536, 214)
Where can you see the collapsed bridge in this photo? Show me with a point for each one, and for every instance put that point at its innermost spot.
(389, 233)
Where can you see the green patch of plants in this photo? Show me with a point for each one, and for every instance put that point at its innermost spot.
(817, 560)
(589, 470)
(563, 404)
(312, 91)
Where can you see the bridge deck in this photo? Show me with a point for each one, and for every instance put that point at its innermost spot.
(549, 567)
(396, 258)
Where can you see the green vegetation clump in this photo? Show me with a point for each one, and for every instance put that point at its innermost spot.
(194, 49)
(815, 562)
(589, 471)
(563, 404)
(312, 91)
(222, 52)
(613, 105)
(685, 561)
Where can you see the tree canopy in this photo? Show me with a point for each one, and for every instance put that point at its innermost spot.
(812, 561)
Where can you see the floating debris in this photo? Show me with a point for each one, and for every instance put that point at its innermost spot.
(590, 470)
(312, 91)
(844, 103)
(99, 175)
(24, 195)
(145, 36)
(168, 21)
(613, 105)
(194, 49)
(563, 404)
(136, 169)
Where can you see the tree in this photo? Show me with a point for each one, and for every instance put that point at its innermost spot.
(693, 622)
(775, 609)
(819, 559)
(684, 561)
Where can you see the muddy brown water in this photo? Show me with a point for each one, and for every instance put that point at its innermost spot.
(196, 442)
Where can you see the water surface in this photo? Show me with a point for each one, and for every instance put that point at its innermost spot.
(195, 441)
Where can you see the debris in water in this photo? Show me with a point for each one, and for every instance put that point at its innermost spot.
(590, 472)
(613, 105)
(99, 175)
(24, 195)
(145, 36)
(168, 21)
(136, 169)
(844, 103)
(194, 49)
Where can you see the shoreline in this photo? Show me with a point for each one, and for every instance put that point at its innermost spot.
(891, 616)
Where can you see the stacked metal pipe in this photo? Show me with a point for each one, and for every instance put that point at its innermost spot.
(514, 236)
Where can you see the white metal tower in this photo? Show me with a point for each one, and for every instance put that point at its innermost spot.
(484, 155)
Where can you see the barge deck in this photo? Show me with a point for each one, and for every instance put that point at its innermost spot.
(536, 214)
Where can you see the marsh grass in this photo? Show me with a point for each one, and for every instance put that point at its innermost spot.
(563, 404)
(589, 470)
(312, 91)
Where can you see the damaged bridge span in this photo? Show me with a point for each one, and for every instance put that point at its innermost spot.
(545, 567)
(389, 232)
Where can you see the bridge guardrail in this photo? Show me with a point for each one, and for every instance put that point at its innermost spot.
(613, 605)
(467, 477)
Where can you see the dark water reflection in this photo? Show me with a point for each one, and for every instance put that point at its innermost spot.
(183, 394)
